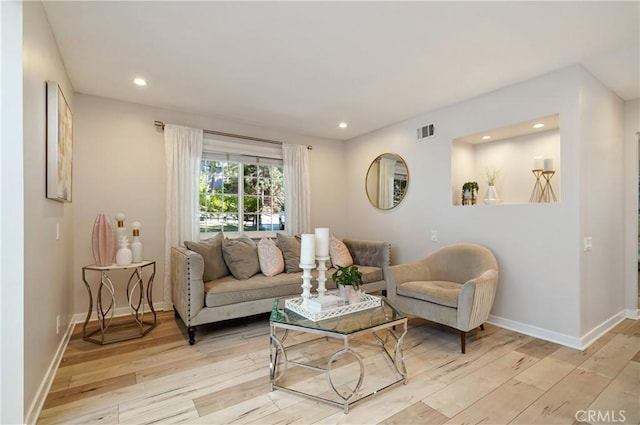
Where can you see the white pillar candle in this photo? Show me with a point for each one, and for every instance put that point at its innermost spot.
(548, 164)
(308, 249)
(322, 241)
(538, 163)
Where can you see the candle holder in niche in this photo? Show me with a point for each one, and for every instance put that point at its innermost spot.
(536, 193)
(548, 195)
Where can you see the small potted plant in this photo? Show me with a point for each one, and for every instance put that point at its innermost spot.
(348, 280)
(469, 193)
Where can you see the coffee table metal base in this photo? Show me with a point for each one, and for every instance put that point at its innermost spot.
(396, 356)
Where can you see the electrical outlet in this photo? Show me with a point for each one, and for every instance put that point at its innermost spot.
(58, 324)
(588, 243)
(434, 236)
(57, 231)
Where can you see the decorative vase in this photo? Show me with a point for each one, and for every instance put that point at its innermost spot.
(124, 254)
(136, 245)
(121, 231)
(491, 197)
(102, 241)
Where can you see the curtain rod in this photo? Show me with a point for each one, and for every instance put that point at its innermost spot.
(235, 136)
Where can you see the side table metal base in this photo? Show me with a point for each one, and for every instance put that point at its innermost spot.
(108, 330)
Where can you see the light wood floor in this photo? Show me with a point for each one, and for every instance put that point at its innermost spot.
(505, 377)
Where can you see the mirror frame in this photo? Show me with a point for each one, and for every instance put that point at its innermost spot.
(366, 181)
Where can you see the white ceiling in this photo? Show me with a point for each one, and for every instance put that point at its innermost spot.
(306, 66)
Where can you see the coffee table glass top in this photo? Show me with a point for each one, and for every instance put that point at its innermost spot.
(345, 324)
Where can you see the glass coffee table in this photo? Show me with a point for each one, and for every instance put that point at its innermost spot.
(325, 349)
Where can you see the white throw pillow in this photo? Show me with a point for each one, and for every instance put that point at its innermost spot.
(339, 253)
(270, 257)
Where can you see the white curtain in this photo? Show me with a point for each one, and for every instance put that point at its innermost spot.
(183, 152)
(385, 183)
(296, 185)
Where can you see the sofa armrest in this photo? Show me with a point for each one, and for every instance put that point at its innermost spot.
(476, 300)
(187, 285)
(369, 253)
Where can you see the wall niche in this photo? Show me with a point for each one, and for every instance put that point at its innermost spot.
(511, 153)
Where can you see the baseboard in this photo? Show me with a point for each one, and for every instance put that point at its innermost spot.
(33, 413)
(119, 312)
(632, 314)
(535, 331)
(579, 343)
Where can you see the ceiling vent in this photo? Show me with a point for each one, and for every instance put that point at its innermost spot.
(426, 132)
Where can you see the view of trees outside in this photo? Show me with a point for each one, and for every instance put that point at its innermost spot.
(238, 196)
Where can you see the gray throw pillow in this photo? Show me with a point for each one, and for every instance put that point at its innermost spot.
(241, 256)
(290, 247)
(211, 251)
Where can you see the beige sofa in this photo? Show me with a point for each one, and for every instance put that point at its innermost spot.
(197, 302)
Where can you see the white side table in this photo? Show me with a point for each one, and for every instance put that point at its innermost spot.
(137, 291)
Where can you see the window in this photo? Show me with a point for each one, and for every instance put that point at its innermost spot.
(240, 196)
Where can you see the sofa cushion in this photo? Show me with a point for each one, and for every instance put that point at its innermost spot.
(434, 291)
(290, 247)
(241, 256)
(339, 253)
(228, 290)
(211, 252)
(270, 257)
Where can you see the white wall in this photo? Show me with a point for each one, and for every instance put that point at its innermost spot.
(119, 166)
(631, 127)
(601, 203)
(536, 245)
(11, 216)
(48, 288)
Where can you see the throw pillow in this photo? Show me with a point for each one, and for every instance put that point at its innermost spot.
(270, 257)
(339, 253)
(290, 247)
(211, 251)
(241, 256)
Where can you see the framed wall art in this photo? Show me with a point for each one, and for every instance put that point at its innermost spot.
(59, 144)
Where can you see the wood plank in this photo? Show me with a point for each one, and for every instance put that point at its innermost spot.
(546, 373)
(621, 398)
(610, 359)
(89, 390)
(538, 348)
(417, 413)
(559, 405)
(499, 406)
(461, 394)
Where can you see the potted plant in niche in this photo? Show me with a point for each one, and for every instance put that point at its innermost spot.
(469, 193)
(348, 280)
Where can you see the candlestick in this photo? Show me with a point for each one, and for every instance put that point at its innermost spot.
(308, 250)
(322, 241)
(322, 278)
(537, 187)
(306, 283)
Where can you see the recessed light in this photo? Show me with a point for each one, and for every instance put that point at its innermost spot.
(140, 82)
(486, 137)
(342, 125)
(538, 125)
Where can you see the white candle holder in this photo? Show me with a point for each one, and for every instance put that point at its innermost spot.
(322, 278)
(306, 283)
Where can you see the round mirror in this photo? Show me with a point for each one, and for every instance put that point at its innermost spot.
(387, 181)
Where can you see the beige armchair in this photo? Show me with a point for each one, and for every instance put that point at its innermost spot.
(454, 286)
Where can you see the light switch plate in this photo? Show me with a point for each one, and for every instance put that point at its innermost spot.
(434, 236)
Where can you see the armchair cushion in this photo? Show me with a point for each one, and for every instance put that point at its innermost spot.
(434, 291)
